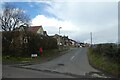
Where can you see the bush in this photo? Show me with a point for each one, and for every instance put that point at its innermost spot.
(105, 57)
(13, 43)
(108, 50)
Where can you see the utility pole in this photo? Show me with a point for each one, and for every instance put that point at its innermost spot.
(91, 37)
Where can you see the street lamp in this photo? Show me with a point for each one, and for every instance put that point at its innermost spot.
(59, 37)
(59, 30)
(59, 34)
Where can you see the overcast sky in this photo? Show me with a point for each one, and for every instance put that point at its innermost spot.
(77, 18)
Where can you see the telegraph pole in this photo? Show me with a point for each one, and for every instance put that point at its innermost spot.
(91, 37)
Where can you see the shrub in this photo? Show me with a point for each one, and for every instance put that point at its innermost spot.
(13, 43)
(108, 50)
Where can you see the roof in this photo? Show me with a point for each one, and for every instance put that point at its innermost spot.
(33, 28)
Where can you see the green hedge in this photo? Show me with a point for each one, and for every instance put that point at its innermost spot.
(108, 50)
(105, 57)
(13, 43)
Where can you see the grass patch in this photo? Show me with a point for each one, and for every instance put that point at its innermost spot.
(10, 58)
(103, 63)
(47, 54)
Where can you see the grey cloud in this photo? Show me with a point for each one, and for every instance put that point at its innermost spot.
(100, 18)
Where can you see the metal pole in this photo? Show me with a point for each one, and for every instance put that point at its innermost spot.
(59, 30)
(59, 34)
(91, 37)
(59, 37)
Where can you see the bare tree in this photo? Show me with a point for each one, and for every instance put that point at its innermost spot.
(12, 17)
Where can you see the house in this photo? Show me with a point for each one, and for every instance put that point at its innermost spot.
(58, 38)
(37, 29)
(64, 40)
(73, 42)
(33, 29)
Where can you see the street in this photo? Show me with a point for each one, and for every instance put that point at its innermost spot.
(12, 72)
(74, 62)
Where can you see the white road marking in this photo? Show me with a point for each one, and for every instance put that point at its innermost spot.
(72, 57)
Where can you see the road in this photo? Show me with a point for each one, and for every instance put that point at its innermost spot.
(74, 62)
(12, 72)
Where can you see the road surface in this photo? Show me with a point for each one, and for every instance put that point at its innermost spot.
(12, 72)
(74, 62)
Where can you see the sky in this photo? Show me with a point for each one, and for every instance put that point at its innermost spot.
(77, 18)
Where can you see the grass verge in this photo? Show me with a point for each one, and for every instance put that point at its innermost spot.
(103, 63)
(47, 55)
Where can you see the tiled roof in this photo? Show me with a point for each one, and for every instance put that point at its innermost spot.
(33, 28)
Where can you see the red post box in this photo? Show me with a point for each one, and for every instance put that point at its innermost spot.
(41, 51)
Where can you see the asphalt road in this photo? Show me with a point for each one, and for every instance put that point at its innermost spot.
(73, 62)
(12, 72)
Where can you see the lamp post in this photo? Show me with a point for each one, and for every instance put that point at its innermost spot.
(59, 30)
(59, 34)
(59, 37)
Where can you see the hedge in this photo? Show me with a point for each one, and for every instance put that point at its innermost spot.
(13, 43)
